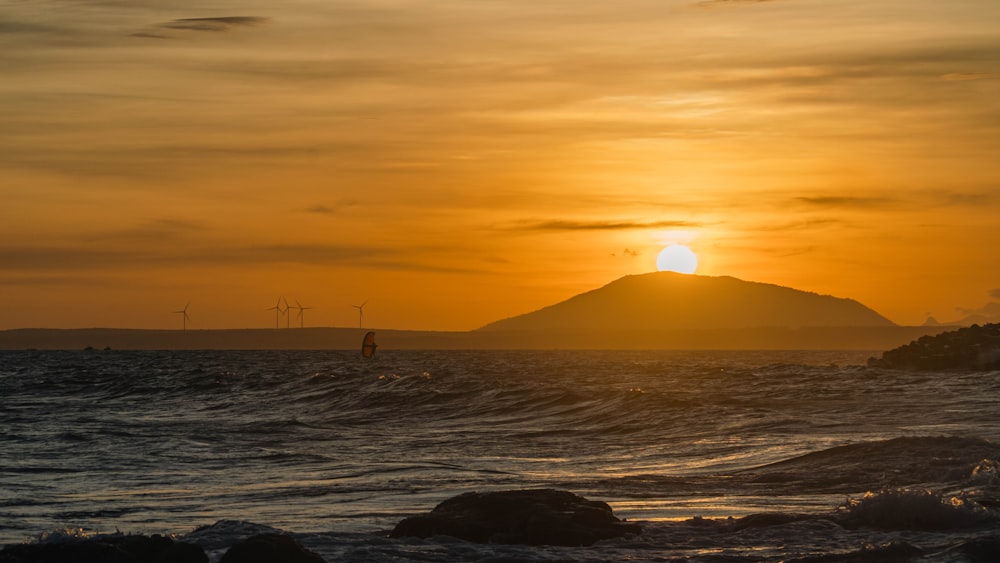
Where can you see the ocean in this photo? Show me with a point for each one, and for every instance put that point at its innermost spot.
(719, 456)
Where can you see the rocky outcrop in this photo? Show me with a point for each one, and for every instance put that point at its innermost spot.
(529, 517)
(108, 549)
(262, 548)
(974, 348)
(269, 548)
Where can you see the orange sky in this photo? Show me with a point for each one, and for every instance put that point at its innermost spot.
(456, 162)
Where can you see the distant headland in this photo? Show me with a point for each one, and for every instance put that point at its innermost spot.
(661, 310)
(673, 301)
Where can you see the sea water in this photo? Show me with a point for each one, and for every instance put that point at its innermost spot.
(720, 456)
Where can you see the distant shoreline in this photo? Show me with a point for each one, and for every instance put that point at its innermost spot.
(767, 338)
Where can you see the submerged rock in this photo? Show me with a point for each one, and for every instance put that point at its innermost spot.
(975, 347)
(107, 549)
(530, 517)
(906, 509)
(269, 548)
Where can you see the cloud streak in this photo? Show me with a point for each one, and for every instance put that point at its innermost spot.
(711, 3)
(337, 207)
(852, 202)
(214, 24)
(44, 261)
(569, 225)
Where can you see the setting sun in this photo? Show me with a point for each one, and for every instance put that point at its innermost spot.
(677, 258)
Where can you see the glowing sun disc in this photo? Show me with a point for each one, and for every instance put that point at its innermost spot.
(677, 258)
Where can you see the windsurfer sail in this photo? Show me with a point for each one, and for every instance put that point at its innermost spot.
(368, 345)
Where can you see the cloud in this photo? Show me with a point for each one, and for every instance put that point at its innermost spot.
(214, 24)
(710, 3)
(847, 201)
(566, 225)
(73, 281)
(323, 209)
(966, 76)
(967, 199)
(53, 262)
(11, 27)
(995, 293)
(809, 224)
(156, 230)
(149, 35)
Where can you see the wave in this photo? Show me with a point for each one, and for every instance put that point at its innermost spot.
(940, 461)
(913, 509)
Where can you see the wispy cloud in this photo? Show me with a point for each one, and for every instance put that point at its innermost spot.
(214, 24)
(74, 281)
(966, 76)
(324, 209)
(995, 293)
(709, 3)
(13, 26)
(847, 201)
(971, 199)
(818, 223)
(570, 225)
(40, 262)
(156, 230)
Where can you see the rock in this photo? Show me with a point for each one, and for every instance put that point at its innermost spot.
(530, 517)
(107, 549)
(76, 551)
(971, 348)
(269, 548)
(159, 549)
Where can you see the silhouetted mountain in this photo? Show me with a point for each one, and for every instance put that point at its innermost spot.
(988, 313)
(668, 300)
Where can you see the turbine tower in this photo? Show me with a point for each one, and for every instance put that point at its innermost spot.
(301, 315)
(288, 314)
(361, 313)
(184, 316)
(277, 312)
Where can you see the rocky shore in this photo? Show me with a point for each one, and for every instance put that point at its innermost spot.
(528, 517)
(976, 347)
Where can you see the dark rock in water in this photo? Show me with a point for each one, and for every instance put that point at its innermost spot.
(530, 517)
(974, 348)
(904, 509)
(159, 549)
(269, 548)
(982, 549)
(110, 549)
(78, 552)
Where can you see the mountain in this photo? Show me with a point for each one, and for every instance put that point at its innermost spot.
(671, 301)
(988, 313)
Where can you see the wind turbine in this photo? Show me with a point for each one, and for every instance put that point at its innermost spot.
(302, 316)
(288, 314)
(277, 311)
(361, 313)
(184, 318)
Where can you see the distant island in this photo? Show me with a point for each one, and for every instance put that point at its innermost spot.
(672, 301)
(661, 310)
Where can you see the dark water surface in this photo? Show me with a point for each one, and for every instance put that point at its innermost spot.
(213, 446)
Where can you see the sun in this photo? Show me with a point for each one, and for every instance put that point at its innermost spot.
(677, 258)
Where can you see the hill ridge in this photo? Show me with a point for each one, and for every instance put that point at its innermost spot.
(669, 300)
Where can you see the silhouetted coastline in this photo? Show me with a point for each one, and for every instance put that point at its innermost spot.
(975, 347)
(763, 338)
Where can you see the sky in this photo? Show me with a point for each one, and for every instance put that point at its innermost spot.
(453, 162)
